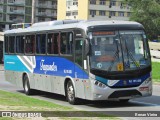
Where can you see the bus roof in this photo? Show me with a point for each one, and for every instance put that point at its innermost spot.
(21, 23)
(67, 24)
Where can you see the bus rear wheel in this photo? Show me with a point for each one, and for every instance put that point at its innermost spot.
(70, 93)
(26, 86)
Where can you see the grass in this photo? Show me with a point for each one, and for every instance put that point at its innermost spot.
(156, 72)
(11, 100)
(19, 102)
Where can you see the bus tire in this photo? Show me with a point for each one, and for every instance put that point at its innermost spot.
(26, 86)
(70, 93)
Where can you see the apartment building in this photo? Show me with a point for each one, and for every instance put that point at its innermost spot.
(20, 11)
(14, 11)
(45, 10)
(93, 10)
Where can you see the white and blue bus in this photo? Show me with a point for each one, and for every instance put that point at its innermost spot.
(92, 60)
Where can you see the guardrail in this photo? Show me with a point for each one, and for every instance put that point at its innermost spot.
(155, 51)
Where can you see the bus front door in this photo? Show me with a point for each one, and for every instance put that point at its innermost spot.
(79, 71)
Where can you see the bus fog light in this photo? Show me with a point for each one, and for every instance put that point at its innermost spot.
(97, 95)
(144, 89)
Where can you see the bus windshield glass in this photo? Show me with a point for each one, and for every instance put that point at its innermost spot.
(119, 50)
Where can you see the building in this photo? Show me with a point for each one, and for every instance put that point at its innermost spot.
(93, 10)
(20, 11)
(45, 10)
(14, 11)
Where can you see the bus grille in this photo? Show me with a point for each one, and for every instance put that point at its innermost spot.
(125, 93)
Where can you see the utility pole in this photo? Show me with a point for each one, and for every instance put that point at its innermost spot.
(33, 11)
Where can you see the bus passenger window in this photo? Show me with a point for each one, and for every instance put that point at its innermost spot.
(20, 44)
(66, 43)
(6, 44)
(52, 43)
(12, 44)
(41, 44)
(30, 44)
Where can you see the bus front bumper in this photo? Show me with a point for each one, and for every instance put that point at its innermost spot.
(107, 93)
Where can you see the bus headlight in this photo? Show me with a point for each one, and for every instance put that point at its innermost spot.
(148, 80)
(99, 84)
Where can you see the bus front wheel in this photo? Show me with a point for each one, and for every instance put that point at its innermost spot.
(70, 93)
(26, 85)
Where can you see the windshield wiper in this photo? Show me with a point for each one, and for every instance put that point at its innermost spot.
(130, 55)
(115, 56)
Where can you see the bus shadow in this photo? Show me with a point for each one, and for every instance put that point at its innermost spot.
(138, 102)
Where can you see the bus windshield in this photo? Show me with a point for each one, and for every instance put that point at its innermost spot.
(119, 50)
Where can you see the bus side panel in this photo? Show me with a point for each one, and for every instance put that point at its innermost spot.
(79, 88)
(48, 83)
(45, 73)
(14, 69)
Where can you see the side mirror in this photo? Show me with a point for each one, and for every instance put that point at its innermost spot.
(86, 47)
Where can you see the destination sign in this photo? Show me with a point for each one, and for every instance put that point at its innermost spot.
(103, 33)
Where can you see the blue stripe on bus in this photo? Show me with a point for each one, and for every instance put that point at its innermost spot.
(57, 66)
(128, 82)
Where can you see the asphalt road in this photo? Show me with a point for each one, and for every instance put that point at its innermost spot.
(139, 104)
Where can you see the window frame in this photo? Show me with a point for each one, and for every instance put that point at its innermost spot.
(23, 45)
(6, 52)
(41, 33)
(54, 32)
(73, 39)
(34, 34)
(9, 44)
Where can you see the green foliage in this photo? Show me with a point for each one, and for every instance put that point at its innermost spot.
(147, 12)
(156, 72)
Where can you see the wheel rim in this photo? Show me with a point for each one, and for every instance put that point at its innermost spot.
(70, 91)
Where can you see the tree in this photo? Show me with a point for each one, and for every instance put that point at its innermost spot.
(146, 12)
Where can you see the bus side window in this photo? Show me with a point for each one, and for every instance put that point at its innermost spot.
(30, 44)
(6, 44)
(19, 44)
(41, 43)
(12, 44)
(56, 39)
(66, 43)
(52, 43)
